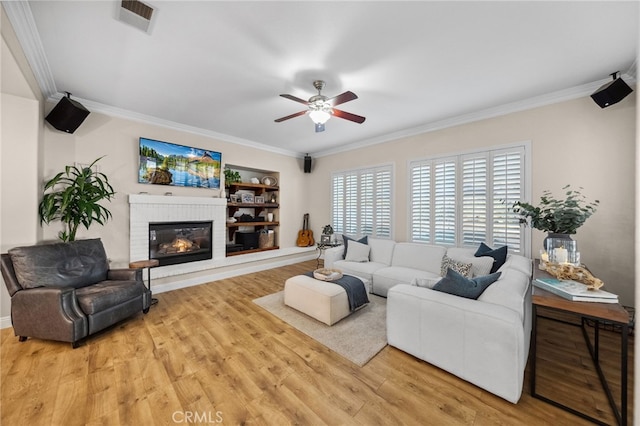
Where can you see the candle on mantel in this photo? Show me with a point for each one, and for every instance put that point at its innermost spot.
(561, 255)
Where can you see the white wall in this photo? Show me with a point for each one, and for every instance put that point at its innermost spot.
(20, 151)
(117, 140)
(574, 142)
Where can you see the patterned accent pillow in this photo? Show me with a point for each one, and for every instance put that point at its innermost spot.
(463, 269)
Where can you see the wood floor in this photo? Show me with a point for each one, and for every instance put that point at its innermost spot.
(208, 355)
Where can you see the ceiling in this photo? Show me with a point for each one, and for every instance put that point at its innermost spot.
(217, 67)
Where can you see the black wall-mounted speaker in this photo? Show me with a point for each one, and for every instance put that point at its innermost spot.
(307, 164)
(68, 115)
(611, 93)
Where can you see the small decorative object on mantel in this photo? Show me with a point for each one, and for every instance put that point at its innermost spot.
(327, 274)
(255, 180)
(273, 199)
(558, 217)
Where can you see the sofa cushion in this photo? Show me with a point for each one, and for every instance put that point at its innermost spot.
(385, 278)
(460, 267)
(73, 264)
(346, 240)
(359, 269)
(107, 294)
(381, 250)
(459, 285)
(357, 252)
(479, 265)
(425, 282)
(499, 255)
(424, 257)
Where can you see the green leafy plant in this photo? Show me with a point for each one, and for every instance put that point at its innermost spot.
(231, 176)
(73, 199)
(560, 216)
(327, 230)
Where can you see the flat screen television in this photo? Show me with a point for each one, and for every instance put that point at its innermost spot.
(165, 163)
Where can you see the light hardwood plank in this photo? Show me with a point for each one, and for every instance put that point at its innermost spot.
(208, 351)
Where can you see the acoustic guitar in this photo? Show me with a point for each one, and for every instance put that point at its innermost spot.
(305, 236)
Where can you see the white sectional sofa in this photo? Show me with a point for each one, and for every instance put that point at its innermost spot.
(483, 341)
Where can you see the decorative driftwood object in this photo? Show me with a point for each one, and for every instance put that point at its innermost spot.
(564, 271)
(326, 274)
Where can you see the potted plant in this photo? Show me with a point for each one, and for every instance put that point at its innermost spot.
(557, 215)
(74, 199)
(327, 233)
(231, 176)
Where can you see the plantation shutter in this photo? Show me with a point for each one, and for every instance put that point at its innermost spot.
(337, 203)
(474, 199)
(508, 187)
(444, 231)
(362, 202)
(420, 193)
(466, 199)
(383, 203)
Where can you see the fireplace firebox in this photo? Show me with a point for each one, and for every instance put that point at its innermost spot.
(180, 242)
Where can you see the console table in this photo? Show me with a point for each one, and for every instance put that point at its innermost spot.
(609, 312)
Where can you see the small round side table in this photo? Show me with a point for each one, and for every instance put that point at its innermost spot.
(149, 263)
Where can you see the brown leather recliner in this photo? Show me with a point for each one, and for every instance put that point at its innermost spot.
(66, 291)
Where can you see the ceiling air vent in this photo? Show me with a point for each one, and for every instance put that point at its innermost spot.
(136, 13)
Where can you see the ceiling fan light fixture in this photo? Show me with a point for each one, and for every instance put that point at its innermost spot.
(320, 115)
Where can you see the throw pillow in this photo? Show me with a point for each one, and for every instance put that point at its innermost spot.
(499, 255)
(363, 240)
(459, 267)
(357, 252)
(458, 285)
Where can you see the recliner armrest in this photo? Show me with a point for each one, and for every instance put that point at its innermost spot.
(124, 274)
(48, 313)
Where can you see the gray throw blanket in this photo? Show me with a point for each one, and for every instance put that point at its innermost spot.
(356, 292)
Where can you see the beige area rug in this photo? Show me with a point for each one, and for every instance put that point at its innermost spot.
(358, 337)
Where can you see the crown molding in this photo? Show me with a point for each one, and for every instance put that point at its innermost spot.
(148, 119)
(523, 105)
(21, 18)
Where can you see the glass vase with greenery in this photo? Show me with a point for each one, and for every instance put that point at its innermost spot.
(73, 199)
(557, 215)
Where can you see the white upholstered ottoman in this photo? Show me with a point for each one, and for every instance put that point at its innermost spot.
(322, 300)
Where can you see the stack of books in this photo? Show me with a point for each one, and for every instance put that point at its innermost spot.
(575, 291)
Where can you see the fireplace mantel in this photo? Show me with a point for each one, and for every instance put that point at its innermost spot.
(172, 199)
(144, 209)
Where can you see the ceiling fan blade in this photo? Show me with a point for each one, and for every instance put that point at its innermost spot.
(342, 98)
(319, 127)
(278, 120)
(348, 116)
(293, 98)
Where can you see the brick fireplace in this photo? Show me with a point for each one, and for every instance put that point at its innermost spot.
(148, 209)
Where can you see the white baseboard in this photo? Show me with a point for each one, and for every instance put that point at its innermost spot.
(5, 322)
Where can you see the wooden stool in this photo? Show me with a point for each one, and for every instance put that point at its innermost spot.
(149, 263)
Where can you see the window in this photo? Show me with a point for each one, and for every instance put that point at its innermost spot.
(464, 200)
(361, 202)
